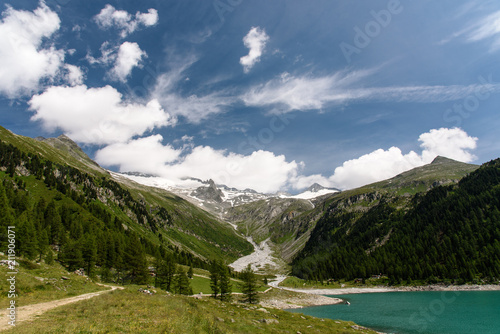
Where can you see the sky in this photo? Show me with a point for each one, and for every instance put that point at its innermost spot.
(269, 95)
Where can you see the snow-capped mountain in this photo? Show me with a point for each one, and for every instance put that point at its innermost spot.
(217, 198)
(316, 190)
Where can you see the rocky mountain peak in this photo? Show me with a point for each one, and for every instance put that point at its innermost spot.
(210, 193)
(315, 188)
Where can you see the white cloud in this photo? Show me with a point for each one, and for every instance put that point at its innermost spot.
(261, 170)
(108, 55)
(487, 28)
(255, 40)
(129, 56)
(383, 164)
(303, 93)
(148, 19)
(23, 61)
(375, 166)
(74, 75)
(96, 115)
(287, 92)
(302, 182)
(193, 107)
(147, 155)
(451, 143)
(266, 172)
(110, 17)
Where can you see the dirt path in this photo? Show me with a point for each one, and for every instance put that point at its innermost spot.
(29, 312)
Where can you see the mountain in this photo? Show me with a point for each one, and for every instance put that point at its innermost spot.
(437, 222)
(56, 171)
(218, 198)
(289, 222)
(315, 191)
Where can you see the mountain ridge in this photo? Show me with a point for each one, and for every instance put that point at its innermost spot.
(174, 220)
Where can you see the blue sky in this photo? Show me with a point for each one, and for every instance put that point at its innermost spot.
(270, 95)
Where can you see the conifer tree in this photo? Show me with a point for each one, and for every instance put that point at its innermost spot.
(27, 239)
(89, 253)
(249, 285)
(165, 273)
(135, 261)
(181, 283)
(6, 218)
(43, 243)
(226, 287)
(215, 275)
(71, 255)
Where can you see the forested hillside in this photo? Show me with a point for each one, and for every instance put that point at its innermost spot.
(448, 233)
(86, 219)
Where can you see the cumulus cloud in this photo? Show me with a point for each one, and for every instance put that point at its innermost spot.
(267, 172)
(96, 115)
(129, 56)
(452, 143)
(146, 155)
(74, 75)
(383, 164)
(24, 62)
(127, 23)
(375, 166)
(261, 170)
(255, 41)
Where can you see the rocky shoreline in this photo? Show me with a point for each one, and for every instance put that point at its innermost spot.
(284, 299)
(433, 287)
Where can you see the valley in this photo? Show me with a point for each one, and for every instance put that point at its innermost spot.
(129, 229)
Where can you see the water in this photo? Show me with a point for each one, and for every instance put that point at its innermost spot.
(426, 312)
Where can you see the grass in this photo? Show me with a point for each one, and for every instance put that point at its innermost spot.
(297, 283)
(202, 284)
(129, 311)
(38, 283)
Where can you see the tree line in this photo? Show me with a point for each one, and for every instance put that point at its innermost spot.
(451, 233)
(58, 216)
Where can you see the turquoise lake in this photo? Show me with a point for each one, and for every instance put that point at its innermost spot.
(426, 312)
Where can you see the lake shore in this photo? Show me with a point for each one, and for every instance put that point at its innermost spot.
(285, 299)
(433, 287)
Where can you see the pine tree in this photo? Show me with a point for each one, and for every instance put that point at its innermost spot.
(89, 254)
(71, 255)
(165, 272)
(53, 220)
(249, 285)
(181, 283)
(226, 287)
(190, 271)
(215, 275)
(135, 261)
(6, 218)
(43, 243)
(27, 239)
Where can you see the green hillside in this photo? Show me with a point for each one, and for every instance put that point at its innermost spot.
(451, 232)
(52, 190)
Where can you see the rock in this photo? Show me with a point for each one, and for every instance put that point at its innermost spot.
(219, 319)
(263, 310)
(232, 320)
(269, 321)
(65, 278)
